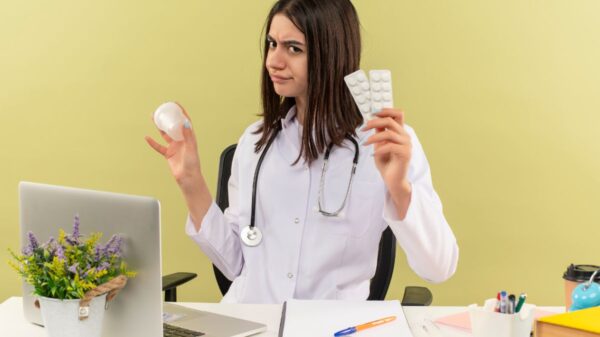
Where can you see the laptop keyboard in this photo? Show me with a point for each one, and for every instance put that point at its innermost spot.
(174, 331)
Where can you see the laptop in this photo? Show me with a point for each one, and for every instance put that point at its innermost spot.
(138, 309)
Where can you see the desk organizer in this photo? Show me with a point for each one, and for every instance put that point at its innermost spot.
(485, 322)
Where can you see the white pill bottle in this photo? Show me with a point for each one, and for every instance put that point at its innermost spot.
(169, 118)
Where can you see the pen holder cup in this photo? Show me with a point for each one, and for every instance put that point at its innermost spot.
(485, 322)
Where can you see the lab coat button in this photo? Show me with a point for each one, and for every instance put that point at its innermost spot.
(290, 275)
(296, 220)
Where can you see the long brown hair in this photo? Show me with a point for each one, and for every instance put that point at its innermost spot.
(332, 32)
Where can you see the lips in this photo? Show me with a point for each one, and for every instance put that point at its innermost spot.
(279, 79)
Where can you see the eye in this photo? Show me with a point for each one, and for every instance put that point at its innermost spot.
(295, 50)
(271, 44)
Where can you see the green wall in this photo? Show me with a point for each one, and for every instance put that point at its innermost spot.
(504, 94)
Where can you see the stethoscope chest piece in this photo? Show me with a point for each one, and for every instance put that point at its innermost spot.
(251, 236)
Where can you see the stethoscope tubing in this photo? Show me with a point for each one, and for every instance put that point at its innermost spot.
(253, 234)
(327, 153)
(256, 172)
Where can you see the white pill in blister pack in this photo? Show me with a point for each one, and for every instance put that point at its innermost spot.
(372, 93)
(381, 90)
(358, 84)
(169, 118)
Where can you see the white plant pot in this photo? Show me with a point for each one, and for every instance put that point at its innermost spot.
(61, 317)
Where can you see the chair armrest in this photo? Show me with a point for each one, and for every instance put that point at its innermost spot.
(417, 296)
(172, 281)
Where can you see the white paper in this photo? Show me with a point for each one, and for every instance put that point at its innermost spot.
(324, 318)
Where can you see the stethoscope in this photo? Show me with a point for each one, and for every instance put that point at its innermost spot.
(251, 235)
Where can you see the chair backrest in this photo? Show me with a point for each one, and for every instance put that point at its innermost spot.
(223, 202)
(385, 266)
(387, 245)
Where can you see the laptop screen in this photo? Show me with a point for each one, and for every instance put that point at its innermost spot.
(44, 209)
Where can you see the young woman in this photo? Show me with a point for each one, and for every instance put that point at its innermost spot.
(302, 222)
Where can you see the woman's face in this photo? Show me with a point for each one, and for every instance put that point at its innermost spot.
(286, 58)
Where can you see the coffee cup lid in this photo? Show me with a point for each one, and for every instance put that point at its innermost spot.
(581, 272)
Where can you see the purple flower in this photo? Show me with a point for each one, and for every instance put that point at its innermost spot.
(110, 242)
(33, 242)
(73, 268)
(50, 246)
(98, 252)
(103, 266)
(51, 242)
(31, 245)
(73, 239)
(113, 247)
(87, 271)
(60, 252)
(75, 234)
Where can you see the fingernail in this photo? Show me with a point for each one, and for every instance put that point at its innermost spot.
(187, 124)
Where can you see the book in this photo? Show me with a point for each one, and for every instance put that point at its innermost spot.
(580, 323)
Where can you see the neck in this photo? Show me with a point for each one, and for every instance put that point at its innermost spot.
(300, 109)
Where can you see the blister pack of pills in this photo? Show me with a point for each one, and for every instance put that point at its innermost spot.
(381, 90)
(373, 93)
(359, 87)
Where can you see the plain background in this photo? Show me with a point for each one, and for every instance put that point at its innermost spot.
(504, 95)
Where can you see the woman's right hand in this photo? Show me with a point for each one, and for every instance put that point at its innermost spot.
(182, 156)
(183, 160)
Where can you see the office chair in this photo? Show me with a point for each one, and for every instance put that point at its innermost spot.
(172, 281)
(413, 296)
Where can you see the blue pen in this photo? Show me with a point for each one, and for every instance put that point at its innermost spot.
(353, 329)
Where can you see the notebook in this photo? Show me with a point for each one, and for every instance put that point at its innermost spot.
(301, 318)
(585, 322)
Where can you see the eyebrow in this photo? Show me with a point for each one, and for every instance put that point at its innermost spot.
(286, 42)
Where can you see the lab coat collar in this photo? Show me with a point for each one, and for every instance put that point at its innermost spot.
(289, 117)
(290, 128)
(293, 130)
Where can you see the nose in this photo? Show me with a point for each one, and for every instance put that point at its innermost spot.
(275, 59)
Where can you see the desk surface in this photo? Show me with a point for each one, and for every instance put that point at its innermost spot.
(12, 322)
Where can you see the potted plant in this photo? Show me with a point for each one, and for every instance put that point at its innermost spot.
(73, 277)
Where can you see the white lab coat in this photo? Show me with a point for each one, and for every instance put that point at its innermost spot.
(306, 255)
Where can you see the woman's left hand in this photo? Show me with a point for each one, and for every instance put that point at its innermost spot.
(392, 148)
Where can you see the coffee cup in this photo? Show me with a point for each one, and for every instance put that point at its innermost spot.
(576, 274)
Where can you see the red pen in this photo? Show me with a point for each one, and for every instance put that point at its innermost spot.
(497, 308)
